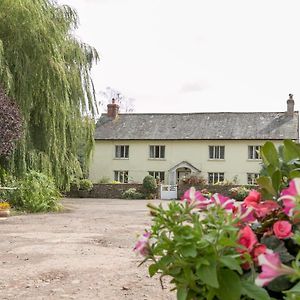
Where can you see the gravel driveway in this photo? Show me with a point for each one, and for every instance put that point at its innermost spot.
(83, 253)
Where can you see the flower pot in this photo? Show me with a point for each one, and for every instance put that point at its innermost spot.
(4, 213)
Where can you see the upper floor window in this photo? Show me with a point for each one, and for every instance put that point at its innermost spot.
(122, 151)
(254, 152)
(215, 177)
(121, 176)
(216, 152)
(252, 177)
(158, 175)
(157, 151)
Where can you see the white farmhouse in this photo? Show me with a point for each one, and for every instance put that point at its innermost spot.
(219, 146)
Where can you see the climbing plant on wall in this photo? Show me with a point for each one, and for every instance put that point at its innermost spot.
(47, 71)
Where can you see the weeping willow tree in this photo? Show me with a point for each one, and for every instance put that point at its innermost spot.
(47, 71)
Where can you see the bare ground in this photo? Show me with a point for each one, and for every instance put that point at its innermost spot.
(84, 253)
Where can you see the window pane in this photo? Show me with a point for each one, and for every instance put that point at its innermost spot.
(211, 152)
(151, 151)
(162, 151)
(222, 152)
(250, 152)
(221, 176)
(217, 152)
(126, 151)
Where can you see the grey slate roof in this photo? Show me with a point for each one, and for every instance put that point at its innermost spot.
(199, 126)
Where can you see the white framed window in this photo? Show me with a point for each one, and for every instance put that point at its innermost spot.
(251, 178)
(158, 175)
(121, 151)
(214, 177)
(254, 152)
(216, 152)
(157, 151)
(121, 176)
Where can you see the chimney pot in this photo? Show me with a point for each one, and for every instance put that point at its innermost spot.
(290, 105)
(112, 109)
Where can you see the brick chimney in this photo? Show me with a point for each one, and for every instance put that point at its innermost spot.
(112, 109)
(290, 105)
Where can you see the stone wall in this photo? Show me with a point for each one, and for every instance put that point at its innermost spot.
(112, 191)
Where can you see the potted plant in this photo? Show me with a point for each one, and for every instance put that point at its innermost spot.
(4, 209)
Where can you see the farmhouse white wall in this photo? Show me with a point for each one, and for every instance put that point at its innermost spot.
(195, 152)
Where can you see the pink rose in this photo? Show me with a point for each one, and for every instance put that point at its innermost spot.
(264, 208)
(282, 229)
(247, 238)
(252, 198)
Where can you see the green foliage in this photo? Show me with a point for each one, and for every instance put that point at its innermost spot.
(104, 179)
(132, 193)
(36, 192)
(199, 253)
(279, 166)
(149, 185)
(85, 185)
(47, 71)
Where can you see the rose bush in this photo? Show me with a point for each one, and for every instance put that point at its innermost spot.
(220, 248)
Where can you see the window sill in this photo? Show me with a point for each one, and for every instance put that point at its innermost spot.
(120, 158)
(216, 159)
(255, 159)
(156, 159)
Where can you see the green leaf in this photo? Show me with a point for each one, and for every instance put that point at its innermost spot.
(266, 183)
(294, 174)
(279, 284)
(181, 293)
(269, 154)
(291, 150)
(152, 269)
(295, 289)
(230, 285)
(276, 180)
(231, 263)
(189, 251)
(208, 274)
(253, 291)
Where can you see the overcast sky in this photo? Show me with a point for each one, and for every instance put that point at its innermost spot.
(195, 55)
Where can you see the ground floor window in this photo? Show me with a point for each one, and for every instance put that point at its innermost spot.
(158, 175)
(251, 178)
(121, 176)
(215, 177)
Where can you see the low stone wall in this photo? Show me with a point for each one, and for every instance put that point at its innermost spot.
(114, 191)
(102, 190)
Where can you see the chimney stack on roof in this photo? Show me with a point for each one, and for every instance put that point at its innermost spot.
(290, 105)
(112, 109)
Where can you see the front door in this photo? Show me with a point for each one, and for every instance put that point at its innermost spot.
(182, 173)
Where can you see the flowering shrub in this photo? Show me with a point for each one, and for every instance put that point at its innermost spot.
(4, 205)
(238, 193)
(219, 248)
